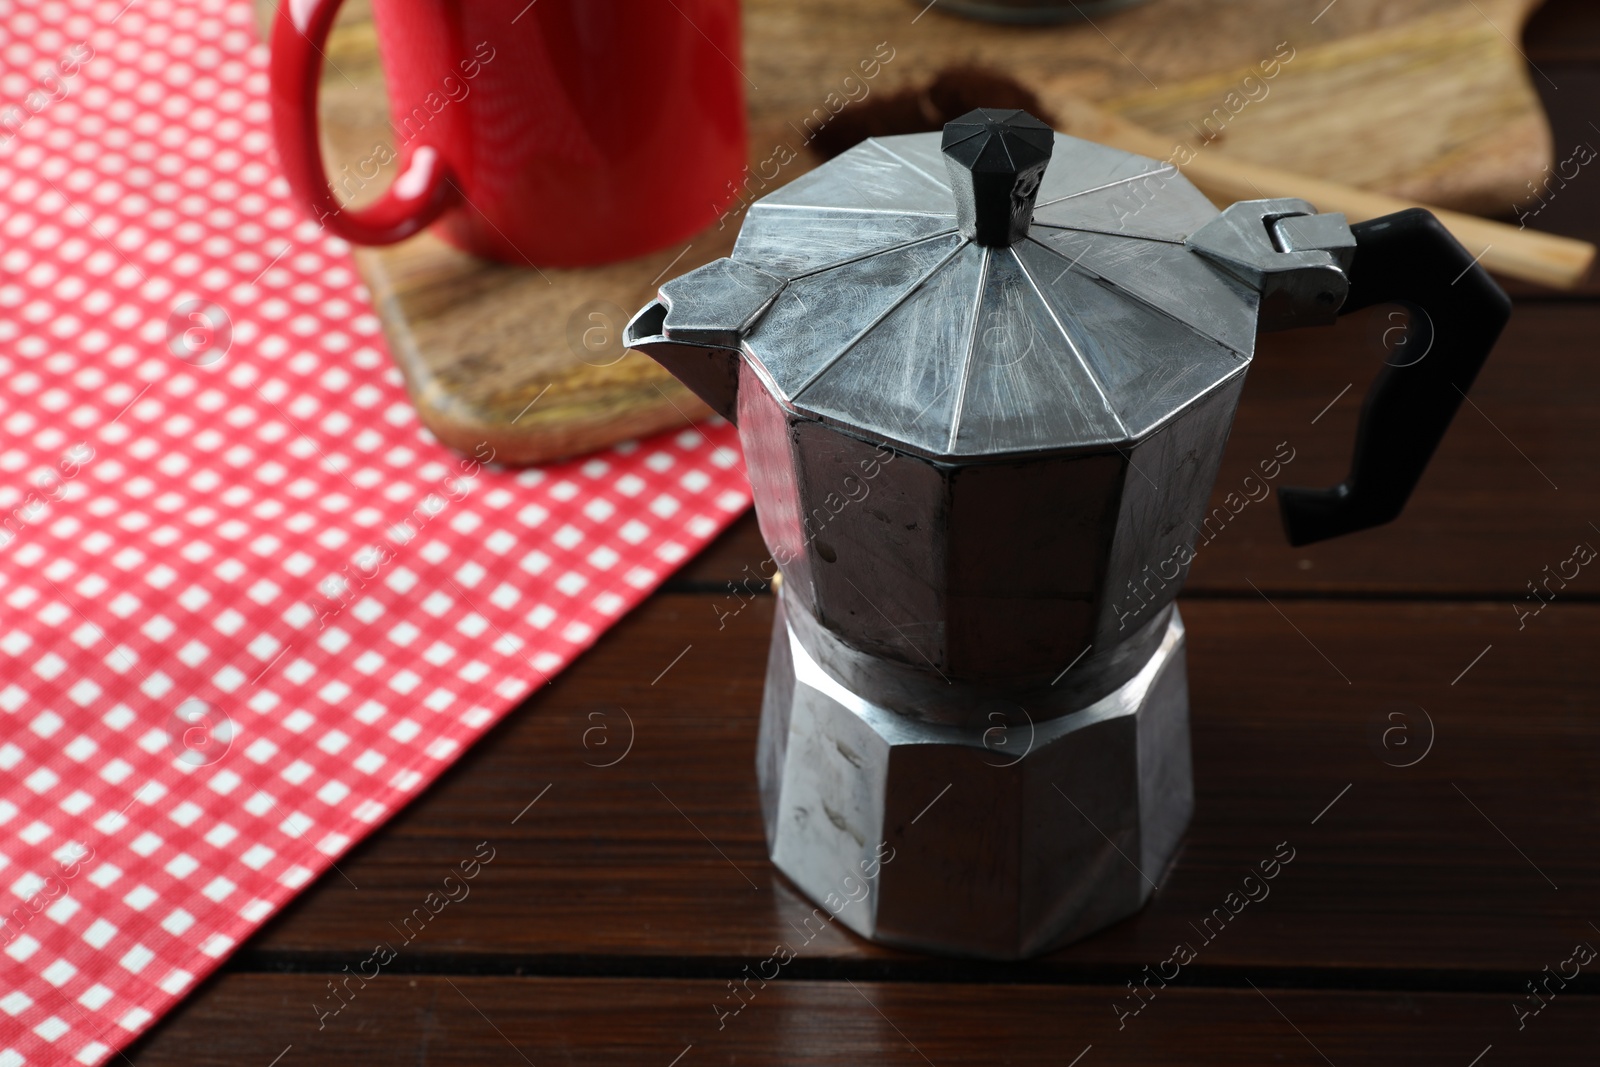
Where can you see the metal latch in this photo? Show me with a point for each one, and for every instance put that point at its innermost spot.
(1295, 258)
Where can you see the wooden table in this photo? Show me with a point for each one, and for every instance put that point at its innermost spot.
(622, 900)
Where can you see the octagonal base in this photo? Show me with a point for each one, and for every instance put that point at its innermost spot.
(998, 839)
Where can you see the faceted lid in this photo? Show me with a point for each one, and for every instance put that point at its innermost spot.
(915, 303)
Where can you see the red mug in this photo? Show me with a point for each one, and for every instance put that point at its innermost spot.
(557, 133)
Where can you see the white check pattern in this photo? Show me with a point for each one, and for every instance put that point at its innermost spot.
(211, 684)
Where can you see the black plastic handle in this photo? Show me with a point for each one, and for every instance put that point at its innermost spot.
(1457, 312)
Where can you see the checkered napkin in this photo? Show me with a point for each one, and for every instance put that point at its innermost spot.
(248, 607)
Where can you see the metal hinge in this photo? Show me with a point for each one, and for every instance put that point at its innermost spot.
(1295, 258)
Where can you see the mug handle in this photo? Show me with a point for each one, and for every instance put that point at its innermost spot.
(413, 200)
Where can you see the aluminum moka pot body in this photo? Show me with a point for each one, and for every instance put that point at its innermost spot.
(998, 572)
(983, 381)
(973, 458)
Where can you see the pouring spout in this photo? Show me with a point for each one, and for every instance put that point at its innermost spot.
(711, 372)
(694, 327)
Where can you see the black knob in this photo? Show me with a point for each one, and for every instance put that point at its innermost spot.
(996, 161)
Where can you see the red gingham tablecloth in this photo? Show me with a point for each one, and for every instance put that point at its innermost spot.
(248, 606)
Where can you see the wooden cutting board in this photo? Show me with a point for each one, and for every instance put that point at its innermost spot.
(1427, 99)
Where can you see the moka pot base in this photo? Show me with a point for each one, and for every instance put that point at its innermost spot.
(1000, 837)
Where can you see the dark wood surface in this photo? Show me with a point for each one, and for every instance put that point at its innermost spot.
(462, 1020)
(1420, 901)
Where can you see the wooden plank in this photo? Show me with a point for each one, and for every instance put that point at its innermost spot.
(660, 858)
(1513, 486)
(249, 1019)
